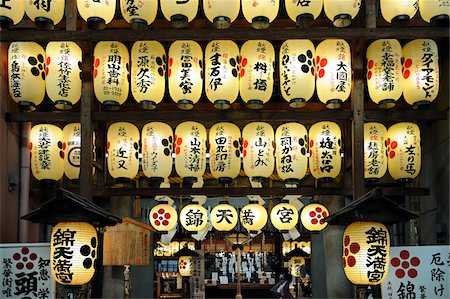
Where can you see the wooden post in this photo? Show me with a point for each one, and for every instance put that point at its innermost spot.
(71, 14)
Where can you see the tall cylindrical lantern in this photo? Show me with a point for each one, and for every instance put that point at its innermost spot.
(375, 158)
(148, 69)
(193, 217)
(435, 11)
(11, 13)
(139, 13)
(225, 151)
(253, 217)
(257, 140)
(221, 13)
(284, 216)
(45, 14)
(325, 150)
(72, 150)
(123, 149)
(404, 151)
(163, 217)
(312, 216)
(63, 70)
(366, 253)
(420, 72)
(73, 252)
(291, 144)
(303, 13)
(383, 72)
(185, 265)
(190, 151)
(111, 67)
(26, 74)
(222, 73)
(179, 13)
(341, 12)
(96, 13)
(334, 72)
(398, 11)
(260, 13)
(256, 75)
(295, 265)
(185, 73)
(47, 156)
(224, 217)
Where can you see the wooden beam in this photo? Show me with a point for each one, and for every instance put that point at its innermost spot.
(38, 117)
(405, 115)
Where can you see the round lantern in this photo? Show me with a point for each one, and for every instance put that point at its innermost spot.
(11, 13)
(325, 151)
(26, 74)
(404, 152)
(366, 253)
(259, 161)
(72, 150)
(185, 73)
(398, 11)
(334, 72)
(194, 217)
(123, 149)
(96, 13)
(179, 13)
(224, 151)
(163, 217)
(157, 144)
(221, 73)
(139, 13)
(435, 11)
(257, 68)
(45, 14)
(185, 265)
(420, 72)
(224, 217)
(63, 69)
(383, 69)
(312, 216)
(297, 72)
(291, 143)
(148, 68)
(260, 13)
(221, 13)
(284, 216)
(111, 66)
(303, 12)
(295, 264)
(341, 12)
(253, 217)
(375, 158)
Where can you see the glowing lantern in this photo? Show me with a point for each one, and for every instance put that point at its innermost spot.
(179, 13)
(72, 150)
(26, 73)
(303, 12)
(185, 73)
(185, 265)
(194, 217)
(296, 264)
(325, 151)
(284, 216)
(435, 11)
(163, 217)
(334, 72)
(341, 12)
(139, 13)
(148, 68)
(420, 72)
(312, 216)
(73, 252)
(123, 149)
(297, 74)
(224, 217)
(224, 152)
(111, 63)
(291, 143)
(221, 73)
(404, 152)
(96, 13)
(383, 69)
(63, 69)
(398, 11)
(11, 13)
(260, 13)
(375, 159)
(45, 13)
(221, 13)
(253, 217)
(366, 253)
(257, 68)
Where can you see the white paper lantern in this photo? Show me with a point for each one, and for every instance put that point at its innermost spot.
(163, 217)
(295, 265)
(179, 13)
(11, 13)
(284, 216)
(312, 216)
(375, 157)
(97, 13)
(72, 150)
(260, 13)
(303, 12)
(221, 13)
(341, 12)
(224, 217)
(45, 13)
(435, 11)
(253, 217)
(139, 13)
(185, 265)
(398, 11)
(193, 217)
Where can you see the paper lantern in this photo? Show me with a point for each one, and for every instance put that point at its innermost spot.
(185, 265)
(193, 217)
(179, 13)
(224, 217)
(72, 150)
(63, 70)
(420, 72)
(303, 12)
(325, 151)
(157, 144)
(296, 263)
(256, 76)
(185, 73)
(123, 149)
(383, 72)
(221, 13)
(375, 158)
(253, 217)
(312, 216)
(26, 74)
(260, 13)
(163, 217)
(96, 13)
(366, 253)
(297, 72)
(111, 66)
(334, 72)
(139, 13)
(225, 151)
(148, 69)
(45, 13)
(222, 73)
(11, 13)
(258, 160)
(284, 216)
(398, 11)
(73, 252)
(341, 12)
(291, 143)
(404, 152)
(435, 11)
(190, 151)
